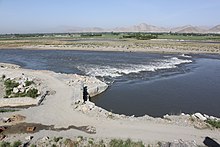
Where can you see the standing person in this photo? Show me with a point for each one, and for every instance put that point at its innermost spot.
(85, 94)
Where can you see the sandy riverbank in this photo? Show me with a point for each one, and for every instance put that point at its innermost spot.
(63, 108)
(155, 46)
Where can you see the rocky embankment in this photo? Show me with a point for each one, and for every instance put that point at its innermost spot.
(25, 83)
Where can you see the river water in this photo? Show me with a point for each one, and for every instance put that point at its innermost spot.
(139, 83)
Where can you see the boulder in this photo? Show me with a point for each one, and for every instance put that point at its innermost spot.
(20, 86)
(206, 116)
(96, 89)
(200, 116)
(15, 90)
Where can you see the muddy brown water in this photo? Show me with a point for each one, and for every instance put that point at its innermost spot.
(22, 128)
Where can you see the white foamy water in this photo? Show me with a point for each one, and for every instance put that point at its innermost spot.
(186, 56)
(125, 69)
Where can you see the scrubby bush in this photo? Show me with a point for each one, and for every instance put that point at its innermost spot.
(213, 123)
(16, 144)
(127, 143)
(8, 92)
(56, 139)
(4, 144)
(10, 84)
(28, 83)
(32, 93)
(7, 110)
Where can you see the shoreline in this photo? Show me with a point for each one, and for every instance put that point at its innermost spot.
(149, 46)
(64, 109)
(105, 49)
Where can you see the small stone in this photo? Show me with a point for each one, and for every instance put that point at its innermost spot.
(79, 139)
(183, 114)
(77, 101)
(84, 109)
(5, 119)
(20, 86)
(91, 129)
(45, 138)
(29, 138)
(38, 92)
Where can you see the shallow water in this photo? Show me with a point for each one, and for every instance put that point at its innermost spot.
(140, 83)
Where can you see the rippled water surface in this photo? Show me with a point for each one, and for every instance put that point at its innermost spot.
(140, 83)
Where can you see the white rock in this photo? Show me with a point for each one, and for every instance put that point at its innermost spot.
(5, 119)
(77, 101)
(84, 109)
(20, 86)
(23, 84)
(187, 115)
(29, 137)
(206, 116)
(182, 114)
(15, 90)
(212, 118)
(45, 138)
(200, 116)
(79, 139)
(30, 79)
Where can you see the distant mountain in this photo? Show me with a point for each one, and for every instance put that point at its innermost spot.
(215, 29)
(189, 29)
(143, 27)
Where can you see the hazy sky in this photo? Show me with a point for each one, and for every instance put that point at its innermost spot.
(22, 16)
